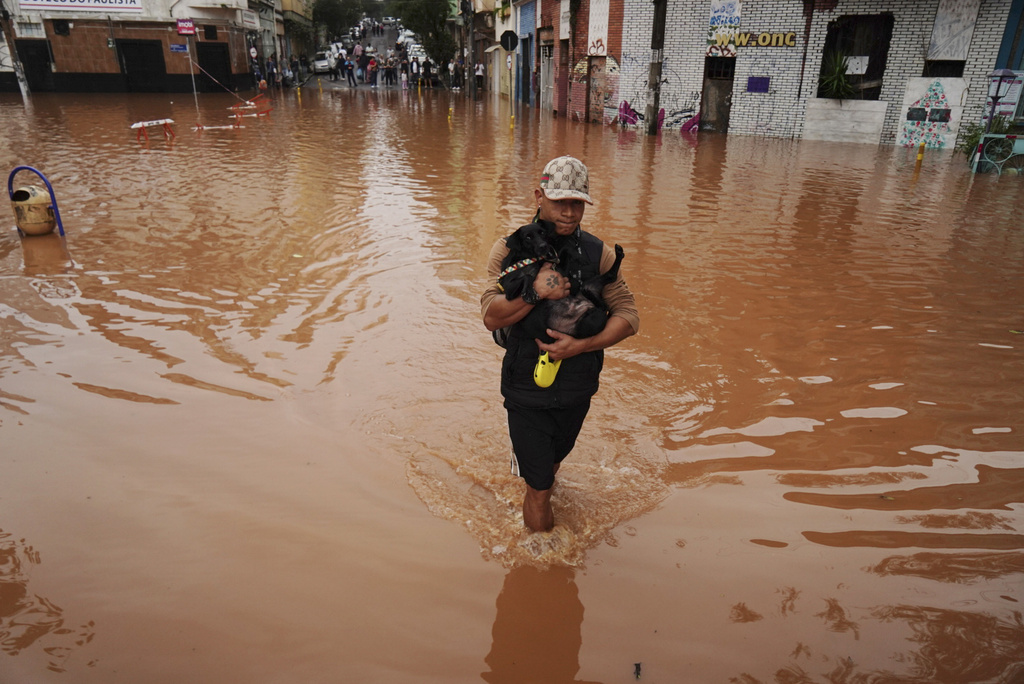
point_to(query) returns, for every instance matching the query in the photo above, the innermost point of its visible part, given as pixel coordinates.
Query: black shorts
(541, 438)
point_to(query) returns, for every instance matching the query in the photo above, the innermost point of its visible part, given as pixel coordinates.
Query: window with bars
(30, 30)
(720, 68)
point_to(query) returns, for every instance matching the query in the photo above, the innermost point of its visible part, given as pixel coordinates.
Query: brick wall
(780, 112)
(577, 101)
(682, 68)
(85, 49)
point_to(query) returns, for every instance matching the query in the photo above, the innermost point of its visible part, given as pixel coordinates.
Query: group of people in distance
(383, 70)
(365, 65)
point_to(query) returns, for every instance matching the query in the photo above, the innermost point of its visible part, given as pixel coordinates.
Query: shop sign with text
(756, 39)
(82, 5)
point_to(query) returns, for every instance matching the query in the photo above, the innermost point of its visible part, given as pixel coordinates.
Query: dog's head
(533, 240)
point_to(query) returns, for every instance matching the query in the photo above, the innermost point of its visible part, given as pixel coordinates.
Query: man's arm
(499, 312)
(549, 284)
(564, 346)
(623, 322)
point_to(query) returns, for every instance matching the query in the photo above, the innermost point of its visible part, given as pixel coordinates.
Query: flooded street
(251, 431)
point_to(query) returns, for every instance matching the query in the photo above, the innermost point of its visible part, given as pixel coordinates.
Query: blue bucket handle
(53, 198)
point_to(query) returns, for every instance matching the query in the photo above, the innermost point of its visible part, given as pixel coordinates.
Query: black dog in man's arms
(581, 314)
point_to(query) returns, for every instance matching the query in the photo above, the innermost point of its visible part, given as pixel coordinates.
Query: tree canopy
(429, 20)
(337, 16)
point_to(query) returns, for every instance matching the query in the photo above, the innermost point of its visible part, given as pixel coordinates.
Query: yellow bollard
(512, 122)
(298, 91)
(450, 109)
(320, 85)
(920, 152)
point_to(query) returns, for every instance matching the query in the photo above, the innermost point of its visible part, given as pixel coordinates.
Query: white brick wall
(781, 111)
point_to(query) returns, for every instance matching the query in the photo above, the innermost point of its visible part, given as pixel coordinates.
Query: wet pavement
(250, 427)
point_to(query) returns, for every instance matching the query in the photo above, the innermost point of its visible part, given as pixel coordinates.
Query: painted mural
(601, 78)
(931, 112)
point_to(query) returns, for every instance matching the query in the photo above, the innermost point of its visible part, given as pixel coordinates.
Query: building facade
(143, 45)
(916, 68)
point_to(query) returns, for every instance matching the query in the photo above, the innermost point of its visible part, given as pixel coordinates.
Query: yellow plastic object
(33, 210)
(545, 371)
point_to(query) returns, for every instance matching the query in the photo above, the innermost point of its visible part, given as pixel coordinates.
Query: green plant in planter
(970, 134)
(834, 83)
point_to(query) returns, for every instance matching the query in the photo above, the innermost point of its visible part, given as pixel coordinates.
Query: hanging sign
(186, 27)
(82, 5)
(250, 20)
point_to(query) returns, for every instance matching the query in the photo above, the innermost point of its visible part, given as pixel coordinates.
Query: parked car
(389, 21)
(323, 63)
(407, 37)
(416, 50)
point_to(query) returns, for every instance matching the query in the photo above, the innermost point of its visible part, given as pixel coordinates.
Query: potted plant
(834, 83)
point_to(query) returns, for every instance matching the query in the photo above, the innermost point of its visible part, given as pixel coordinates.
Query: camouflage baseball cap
(566, 178)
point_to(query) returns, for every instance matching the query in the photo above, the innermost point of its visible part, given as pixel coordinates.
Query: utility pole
(19, 71)
(654, 75)
(469, 66)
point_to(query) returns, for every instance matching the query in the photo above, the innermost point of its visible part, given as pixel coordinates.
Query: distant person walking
(272, 70)
(428, 76)
(350, 72)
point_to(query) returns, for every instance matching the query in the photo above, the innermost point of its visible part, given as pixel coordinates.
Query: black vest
(578, 377)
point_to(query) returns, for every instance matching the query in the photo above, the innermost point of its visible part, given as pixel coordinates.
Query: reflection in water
(537, 629)
(946, 646)
(997, 488)
(29, 621)
(45, 255)
(949, 567)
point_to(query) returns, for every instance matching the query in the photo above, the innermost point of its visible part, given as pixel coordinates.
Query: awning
(493, 48)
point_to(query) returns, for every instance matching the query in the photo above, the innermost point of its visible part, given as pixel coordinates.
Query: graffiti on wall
(722, 27)
(678, 108)
(598, 27)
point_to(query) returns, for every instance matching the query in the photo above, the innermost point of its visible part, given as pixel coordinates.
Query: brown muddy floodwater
(250, 428)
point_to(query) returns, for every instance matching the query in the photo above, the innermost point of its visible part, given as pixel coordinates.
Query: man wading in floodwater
(543, 422)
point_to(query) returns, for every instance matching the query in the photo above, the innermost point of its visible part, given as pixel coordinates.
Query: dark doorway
(562, 91)
(35, 59)
(215, 64)
(526, 74)
(142, 62)
(716, 98)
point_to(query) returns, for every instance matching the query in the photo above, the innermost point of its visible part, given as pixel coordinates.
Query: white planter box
(858, 121)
